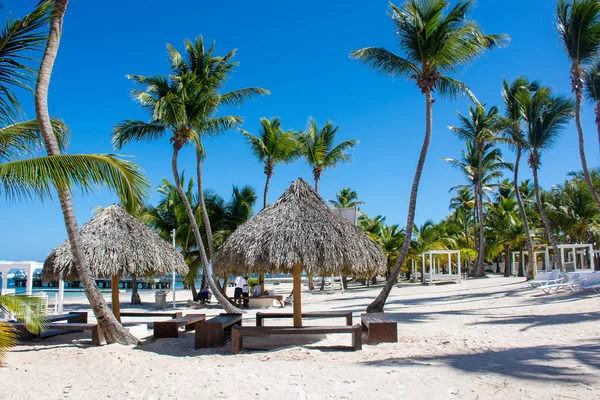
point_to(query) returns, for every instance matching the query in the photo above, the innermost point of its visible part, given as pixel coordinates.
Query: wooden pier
(125, 283)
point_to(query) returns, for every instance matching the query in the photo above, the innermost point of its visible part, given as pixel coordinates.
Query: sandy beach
(482, 339)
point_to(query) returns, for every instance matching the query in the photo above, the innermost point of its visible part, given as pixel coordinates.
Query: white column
(591, 256)
(458, 264)
(574, 258)
(430, 268)
(4, 280)
(61, 295)
(30, 270)
(562, 256)
(423, 268)
(547, 256)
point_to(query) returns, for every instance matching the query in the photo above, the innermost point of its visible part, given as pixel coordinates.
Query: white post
(458, 264)
(574, 258)
(173, 280)
(591, 257)
(61, 295)
(30, 270)
(4, 280)
(562, 256)
(547, 255)
(423, 268)
(430, 268)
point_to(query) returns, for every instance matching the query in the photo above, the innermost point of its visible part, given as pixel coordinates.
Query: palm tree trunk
(598, 120)
(223, 301)
(507, 261)
(479, 267)
(546, 221)
(466, 226)
(530, 255)
(135, 296)
(111, 328)
(269, 173)
(378, 304)
(584, 166)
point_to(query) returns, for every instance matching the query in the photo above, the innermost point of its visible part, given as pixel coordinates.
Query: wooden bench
(72, 317)
(97, 336)
(255, 299)
(238, 332)
(170, 328)
(211, 333)
(260, 316)
(150, 314)
(380, 328)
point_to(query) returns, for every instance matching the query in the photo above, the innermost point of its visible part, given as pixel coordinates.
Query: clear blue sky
(299, 51)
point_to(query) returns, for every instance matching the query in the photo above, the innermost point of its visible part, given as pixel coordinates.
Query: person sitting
(240, 281)
(257, 290)
(246, 293)
(204, 296)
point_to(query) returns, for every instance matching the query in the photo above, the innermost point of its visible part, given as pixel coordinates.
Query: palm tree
(479, 128)
(427, 237)
(91, 168)
(592, 91)
(513, 117)
(318, 149)
(209, 74)
(346, 198)
(175, 105)
(465, 201)
(29, 310)
(435, 44)
(272, 146)
(545, 115)
(578, 25)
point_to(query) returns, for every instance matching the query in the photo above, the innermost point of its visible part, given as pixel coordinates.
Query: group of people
(242, 291)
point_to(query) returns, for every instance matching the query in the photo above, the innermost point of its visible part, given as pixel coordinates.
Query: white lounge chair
(595, 286)
(573, 282)
(555, 277)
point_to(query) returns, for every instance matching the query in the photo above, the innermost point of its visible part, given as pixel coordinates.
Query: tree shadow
(535, 321)
(539, 363)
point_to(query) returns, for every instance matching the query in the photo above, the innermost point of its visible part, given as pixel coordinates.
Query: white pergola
(577, 249)
(29, 267)
(545, 253)
(435, 265)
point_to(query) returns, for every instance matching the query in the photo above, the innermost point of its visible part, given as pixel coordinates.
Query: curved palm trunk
(206, 220)
(546, 221)
(227, 306)
(531, 273)
(378, 304)
(111, 328)
(598, 121)
(586, 172)
(269, 173)
(466, 226)
(135, 296)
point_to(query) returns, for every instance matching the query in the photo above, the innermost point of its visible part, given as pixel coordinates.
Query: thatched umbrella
(115, 244)
(297, 232)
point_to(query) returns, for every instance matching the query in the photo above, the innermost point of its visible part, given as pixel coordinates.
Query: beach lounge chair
(555, 277)
(573, 282)
(595, 286)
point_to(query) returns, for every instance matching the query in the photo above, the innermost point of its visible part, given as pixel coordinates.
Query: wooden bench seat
(238, 332)
(276, 297)
(72, 317)
(170, 328)
(260, 316)
(150, 314)
(97, 336)
(212, 332)
(380, 328)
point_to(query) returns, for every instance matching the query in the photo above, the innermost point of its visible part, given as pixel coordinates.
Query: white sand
(483, 339)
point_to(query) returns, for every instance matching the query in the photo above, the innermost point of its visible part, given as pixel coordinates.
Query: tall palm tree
(480, 128)
(174, 105)
(346, 198)
(318, 148)
(465, 201)
(434, 44)
(209, 74)
(272, 146)
(578, 25)
(545, 115)
(513, 116)
(87, 165)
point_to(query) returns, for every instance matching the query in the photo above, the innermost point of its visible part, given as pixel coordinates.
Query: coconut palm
(174, 105)
(346, 198)
(464, 201)
(513, 116)
(434, 44)
(545, 115)
(272, 146)
(578, 24)
(592, 91)
(318, 148)
(480, 129)
(427, 237)
(29, 310)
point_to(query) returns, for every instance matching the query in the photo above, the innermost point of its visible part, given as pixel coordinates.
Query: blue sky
(299, 51)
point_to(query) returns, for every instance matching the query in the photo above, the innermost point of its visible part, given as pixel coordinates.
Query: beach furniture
(212, 332)
(238, 332)
(263, 301)
(595, 286)
(72, 317)
(97, 336)
(573, 282)
(555, 277)
(347, 315)
(170, 328)
(150, 314)
(380, 328)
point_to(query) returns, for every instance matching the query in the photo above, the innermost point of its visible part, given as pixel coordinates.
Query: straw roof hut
(115, 244)
(297, 232)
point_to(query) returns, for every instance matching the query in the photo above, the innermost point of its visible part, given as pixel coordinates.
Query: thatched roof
(116, 243)
(299, 228)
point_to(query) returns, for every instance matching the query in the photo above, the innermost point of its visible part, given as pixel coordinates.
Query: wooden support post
(116, 305)
(262, 283)
(297, 271)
